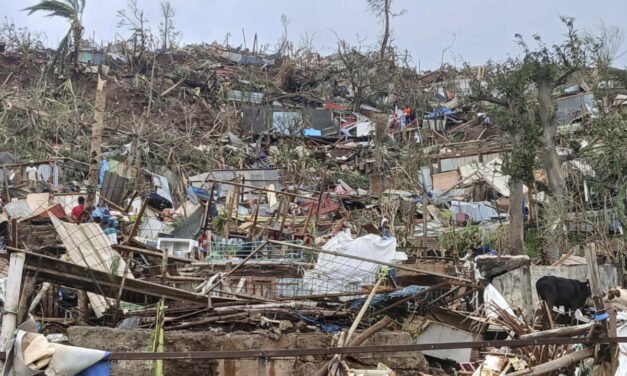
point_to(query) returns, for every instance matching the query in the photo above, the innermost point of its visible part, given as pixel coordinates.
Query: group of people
(403, 118)
(80, 214)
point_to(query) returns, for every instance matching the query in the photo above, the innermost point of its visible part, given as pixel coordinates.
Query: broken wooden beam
(79, 277)
(568, 331)
(556, 364)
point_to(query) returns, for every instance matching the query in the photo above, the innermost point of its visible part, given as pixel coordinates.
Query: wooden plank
(76, 276)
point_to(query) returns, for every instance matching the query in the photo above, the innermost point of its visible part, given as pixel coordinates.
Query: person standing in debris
(417, 138)
(486, 120)
(111, 231)
(385, 228)
(344, 134)
(407, 115)
(202, 244)
(32, 174)
(78, 212)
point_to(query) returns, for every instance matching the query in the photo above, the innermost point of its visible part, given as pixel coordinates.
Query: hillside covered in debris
(210, 209)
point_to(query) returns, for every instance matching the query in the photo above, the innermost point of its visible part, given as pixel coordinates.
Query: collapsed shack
(262, 270)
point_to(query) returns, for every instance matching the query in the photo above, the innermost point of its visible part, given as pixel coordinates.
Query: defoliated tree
(549, 68)
(382, 9)
(169, 35)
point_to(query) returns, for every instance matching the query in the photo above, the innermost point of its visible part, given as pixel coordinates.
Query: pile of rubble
(330, 228)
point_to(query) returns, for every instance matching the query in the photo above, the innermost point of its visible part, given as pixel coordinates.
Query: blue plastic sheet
(385, 298)
(439, 112)
(102, 368)
(324, 327)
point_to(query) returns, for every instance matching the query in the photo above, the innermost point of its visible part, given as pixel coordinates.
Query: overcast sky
(482, 29)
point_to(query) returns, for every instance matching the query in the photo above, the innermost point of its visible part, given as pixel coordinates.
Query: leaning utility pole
(95, 154)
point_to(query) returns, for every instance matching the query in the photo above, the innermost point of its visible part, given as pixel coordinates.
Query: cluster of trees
(523, 91)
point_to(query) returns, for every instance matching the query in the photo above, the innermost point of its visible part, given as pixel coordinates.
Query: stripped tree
(549, 68)
(382, 9)
(508, 88)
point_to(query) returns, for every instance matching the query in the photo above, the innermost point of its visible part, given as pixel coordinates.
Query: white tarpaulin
(31, 354)
(337, 274)
(491, 298)
(622, 357)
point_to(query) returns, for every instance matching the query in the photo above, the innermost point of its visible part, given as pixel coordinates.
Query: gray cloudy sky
(484, 29)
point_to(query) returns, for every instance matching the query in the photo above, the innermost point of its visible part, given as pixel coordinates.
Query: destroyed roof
(490, 173)
(191, 226)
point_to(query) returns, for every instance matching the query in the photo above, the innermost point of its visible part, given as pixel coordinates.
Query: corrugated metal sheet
(191, 226)
(18, 209)
(282, 121)
(45, 171)
(448, 164)
(113, 188)
(88, 246)
(256, 177)
(151, 227)
(242, 96)
(485, 158)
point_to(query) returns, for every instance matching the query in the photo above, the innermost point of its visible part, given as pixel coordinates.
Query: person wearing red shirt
(202, 244)
(79, 210)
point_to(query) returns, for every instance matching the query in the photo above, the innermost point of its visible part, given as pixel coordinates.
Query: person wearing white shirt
(32, 175)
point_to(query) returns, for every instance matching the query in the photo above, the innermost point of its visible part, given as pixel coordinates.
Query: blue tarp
(102, 368)
(439, 112)
(104, 166)
(383, 299)
(324, 327)
(312, 132)
(199, 192)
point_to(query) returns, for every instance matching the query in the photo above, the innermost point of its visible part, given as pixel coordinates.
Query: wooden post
(138, 221)
(83, 307)
(96, 142)
(593, 277)
(346, 340)
(128, 261)
(13, 288)
(614, 349)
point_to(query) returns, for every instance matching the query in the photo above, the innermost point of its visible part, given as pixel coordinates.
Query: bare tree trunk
(516, 233)
(77, 30)
(550, 159)
(386, 27)
(96, 142)
(555, 236)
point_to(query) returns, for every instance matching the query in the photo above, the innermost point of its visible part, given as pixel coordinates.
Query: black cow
(557, 291)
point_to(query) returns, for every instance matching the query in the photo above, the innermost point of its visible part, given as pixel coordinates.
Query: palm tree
(72, 10)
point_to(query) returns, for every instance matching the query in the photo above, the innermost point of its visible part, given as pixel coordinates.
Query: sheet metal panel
(113, 188)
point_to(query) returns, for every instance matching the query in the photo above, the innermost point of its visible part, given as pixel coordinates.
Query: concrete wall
(518, 286)
(138, 340)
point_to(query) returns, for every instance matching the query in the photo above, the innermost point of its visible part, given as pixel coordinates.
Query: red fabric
(202, 241)
(77, 213)
(334, 106)
(407, 111)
